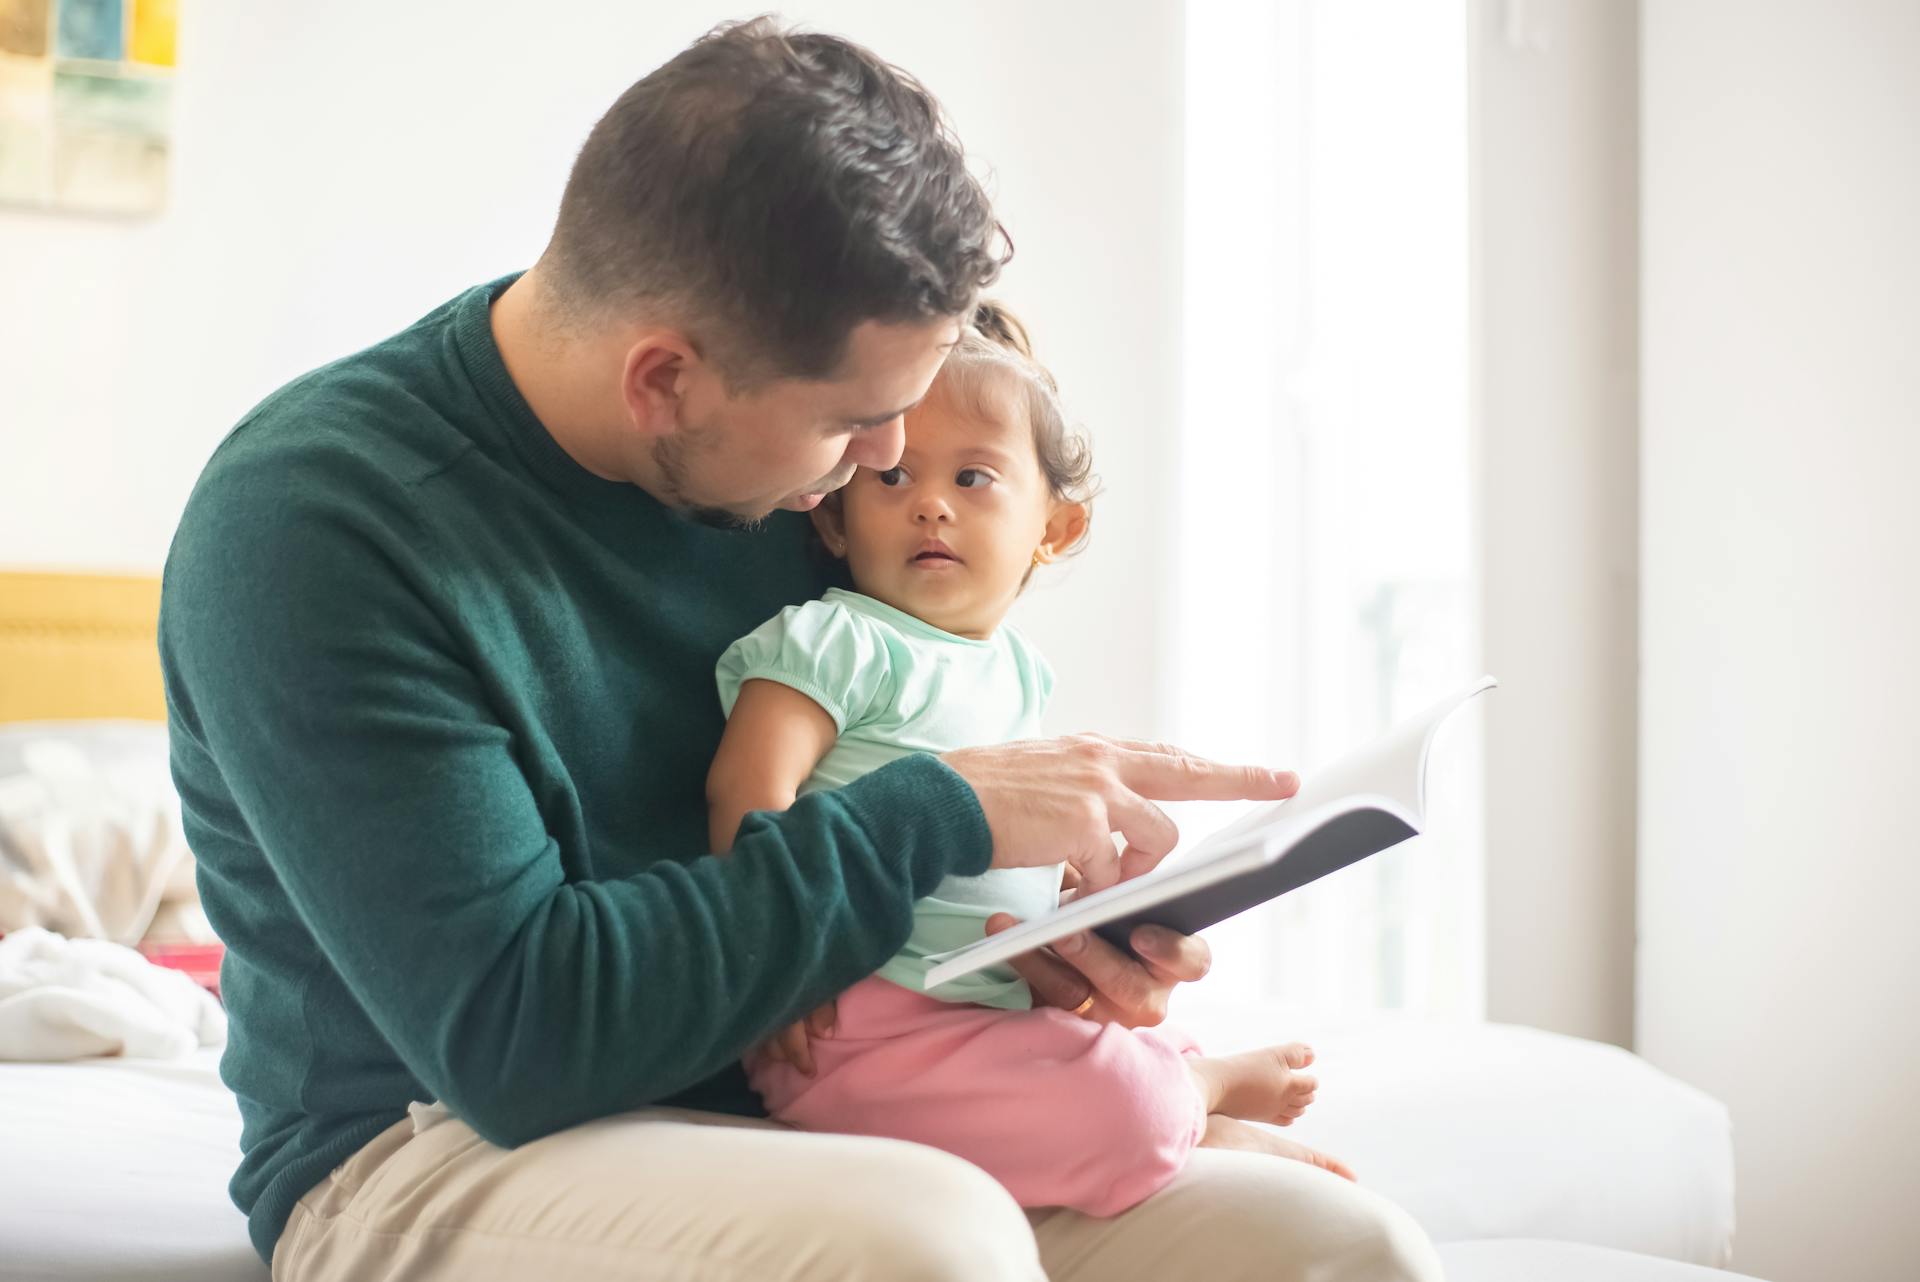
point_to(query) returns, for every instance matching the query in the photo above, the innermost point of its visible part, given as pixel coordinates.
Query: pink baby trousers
(1061, 1110)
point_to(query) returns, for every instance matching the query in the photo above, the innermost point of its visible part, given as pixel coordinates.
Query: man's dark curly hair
(770, 190)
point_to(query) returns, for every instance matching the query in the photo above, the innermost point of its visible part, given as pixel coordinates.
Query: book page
(1387, 774)
(1390, 770)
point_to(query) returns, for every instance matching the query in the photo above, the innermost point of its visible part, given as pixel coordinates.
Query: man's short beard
(670, 456)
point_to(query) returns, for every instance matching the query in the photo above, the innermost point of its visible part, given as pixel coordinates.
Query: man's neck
(569, 383)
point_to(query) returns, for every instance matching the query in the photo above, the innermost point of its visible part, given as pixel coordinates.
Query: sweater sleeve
(306, 661)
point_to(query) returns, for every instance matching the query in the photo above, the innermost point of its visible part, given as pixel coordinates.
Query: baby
(1062, 1110)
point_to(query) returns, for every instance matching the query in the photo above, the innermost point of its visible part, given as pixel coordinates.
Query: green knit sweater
(442, 706)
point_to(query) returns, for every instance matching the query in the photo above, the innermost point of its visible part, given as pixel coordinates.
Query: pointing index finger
(1168, 774)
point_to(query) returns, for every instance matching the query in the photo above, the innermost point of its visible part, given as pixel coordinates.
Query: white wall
(1779, 863)
(342, 168)
(1553, 216)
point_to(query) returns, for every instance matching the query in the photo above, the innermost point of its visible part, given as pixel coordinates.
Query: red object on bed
(199, 962)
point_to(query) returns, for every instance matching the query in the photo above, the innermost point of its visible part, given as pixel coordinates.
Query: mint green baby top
(896, 685)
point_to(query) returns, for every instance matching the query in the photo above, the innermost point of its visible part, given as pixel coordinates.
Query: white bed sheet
(117, 1169)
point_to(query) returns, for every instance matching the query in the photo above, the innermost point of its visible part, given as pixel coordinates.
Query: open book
(1363, 803)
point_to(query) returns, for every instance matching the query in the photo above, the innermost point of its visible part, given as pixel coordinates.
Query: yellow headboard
(79, 646)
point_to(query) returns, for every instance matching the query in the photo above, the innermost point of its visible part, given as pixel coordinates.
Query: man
(439, 631)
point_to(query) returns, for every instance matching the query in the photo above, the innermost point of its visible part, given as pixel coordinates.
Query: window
(1323, 553)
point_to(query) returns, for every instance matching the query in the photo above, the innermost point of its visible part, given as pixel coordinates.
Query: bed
(1525, 1155)
(109, 1168)
(118, 1169)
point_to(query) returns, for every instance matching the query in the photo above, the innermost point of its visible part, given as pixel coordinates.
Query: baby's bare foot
(1227, 1132)
(1260, 1086)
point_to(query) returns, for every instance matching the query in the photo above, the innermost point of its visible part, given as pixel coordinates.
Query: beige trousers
(695, 1197)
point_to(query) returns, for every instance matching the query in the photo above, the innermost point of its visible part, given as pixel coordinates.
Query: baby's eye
(893, 476)
(980, 481)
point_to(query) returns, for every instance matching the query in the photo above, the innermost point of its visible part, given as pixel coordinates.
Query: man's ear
(1066, 527)
(833, 530)
(653, 380)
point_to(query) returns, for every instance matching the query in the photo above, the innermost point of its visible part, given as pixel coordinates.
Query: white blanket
(73, 998)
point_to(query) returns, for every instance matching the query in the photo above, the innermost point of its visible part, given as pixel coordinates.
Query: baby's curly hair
(992, 371)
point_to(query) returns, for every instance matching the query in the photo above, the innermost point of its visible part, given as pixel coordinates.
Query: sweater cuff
(920, 811)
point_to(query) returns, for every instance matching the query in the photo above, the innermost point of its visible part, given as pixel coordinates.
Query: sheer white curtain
(1323, 554)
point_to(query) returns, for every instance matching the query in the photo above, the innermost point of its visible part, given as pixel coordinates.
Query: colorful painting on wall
(86, 94)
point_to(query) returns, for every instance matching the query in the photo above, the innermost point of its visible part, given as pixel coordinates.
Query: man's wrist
(922, 808)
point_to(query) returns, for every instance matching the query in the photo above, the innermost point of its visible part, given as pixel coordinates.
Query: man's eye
(980, 479)
(893, 476)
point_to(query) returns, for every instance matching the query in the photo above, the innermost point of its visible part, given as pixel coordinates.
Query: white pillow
(90, 837)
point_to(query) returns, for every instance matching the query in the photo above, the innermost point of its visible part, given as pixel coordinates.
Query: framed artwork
(86, 95)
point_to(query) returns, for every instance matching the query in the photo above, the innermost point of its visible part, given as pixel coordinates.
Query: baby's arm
(774, 739)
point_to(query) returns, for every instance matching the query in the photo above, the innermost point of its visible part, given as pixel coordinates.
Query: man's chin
(744, 516)
(748, 516)
(725, 518)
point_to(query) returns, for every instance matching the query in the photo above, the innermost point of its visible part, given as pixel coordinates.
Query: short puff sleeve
(827, 652)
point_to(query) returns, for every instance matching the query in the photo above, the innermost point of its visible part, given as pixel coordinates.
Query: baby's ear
(832, 530)
(1066, 527)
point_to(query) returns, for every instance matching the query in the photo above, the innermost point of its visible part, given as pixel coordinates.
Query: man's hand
(1131, 991)
(1052, 799)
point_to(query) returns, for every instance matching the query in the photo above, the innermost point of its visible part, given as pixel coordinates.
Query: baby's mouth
(934, 552)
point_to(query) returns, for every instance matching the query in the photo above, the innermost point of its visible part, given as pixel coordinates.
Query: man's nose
(880, 447)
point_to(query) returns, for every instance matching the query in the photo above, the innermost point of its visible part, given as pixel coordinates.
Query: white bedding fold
(64, 999)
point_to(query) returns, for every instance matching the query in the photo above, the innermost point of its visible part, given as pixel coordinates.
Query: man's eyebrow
(882, 419)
